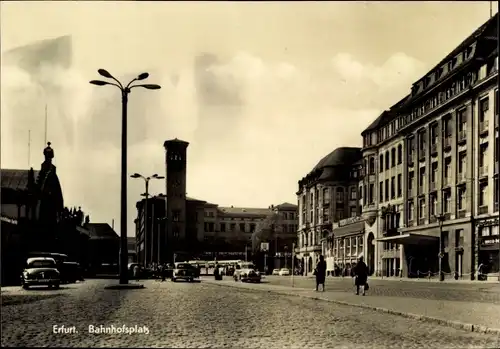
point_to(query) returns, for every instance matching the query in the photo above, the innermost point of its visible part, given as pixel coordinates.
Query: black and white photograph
(226, 174)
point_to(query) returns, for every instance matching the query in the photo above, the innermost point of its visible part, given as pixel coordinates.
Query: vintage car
(40, 271)
(247, 275)
(70, 272)
(184, 271)
(284, 272)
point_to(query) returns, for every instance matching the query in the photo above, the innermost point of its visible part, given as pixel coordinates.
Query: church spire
(48, 152)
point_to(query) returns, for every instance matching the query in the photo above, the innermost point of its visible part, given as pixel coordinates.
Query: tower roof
(174, 142)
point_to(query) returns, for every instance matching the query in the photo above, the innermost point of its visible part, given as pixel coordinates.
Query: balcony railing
(447, 143)
(483, 126)
(462, 135)
(483, 170)
(461, 213)
(421, 221)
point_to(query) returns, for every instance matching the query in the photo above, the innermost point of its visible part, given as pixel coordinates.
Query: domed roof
(340, 156)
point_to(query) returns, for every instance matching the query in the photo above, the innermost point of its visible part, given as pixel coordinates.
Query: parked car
(40, 271)
(276, 271)
(131, 268)
(184, 271)
(284, 272)
(247, 275)
(70, 272)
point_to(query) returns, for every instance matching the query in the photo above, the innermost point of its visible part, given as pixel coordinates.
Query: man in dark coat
(361, 275)
(320, 273)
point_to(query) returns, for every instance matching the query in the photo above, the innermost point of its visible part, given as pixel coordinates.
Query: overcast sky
(262, 91)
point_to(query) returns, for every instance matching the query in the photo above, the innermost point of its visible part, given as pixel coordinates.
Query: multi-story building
(326, 195)
(431, 164)
(229, 230)
(182, 228)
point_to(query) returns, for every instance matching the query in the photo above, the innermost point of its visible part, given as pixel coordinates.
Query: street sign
(264, 246)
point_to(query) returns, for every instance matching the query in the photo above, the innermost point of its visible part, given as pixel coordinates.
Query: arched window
(381, 163)
(400, 154)
(387, 160)
(393, 157)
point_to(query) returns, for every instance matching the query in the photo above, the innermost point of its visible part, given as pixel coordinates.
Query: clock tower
(175, 179)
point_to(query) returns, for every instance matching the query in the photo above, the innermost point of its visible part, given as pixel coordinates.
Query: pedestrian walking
(360, 275)
(320, 273)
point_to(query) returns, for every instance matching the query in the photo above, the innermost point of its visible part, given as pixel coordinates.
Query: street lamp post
(440, 218)
(146, 217)
(286, 257)
(123, 201)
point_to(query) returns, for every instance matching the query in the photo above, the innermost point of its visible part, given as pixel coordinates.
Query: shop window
(484, 231)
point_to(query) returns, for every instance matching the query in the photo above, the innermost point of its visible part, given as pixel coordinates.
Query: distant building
(132, 252)
(33, 217)
(103, 248)
(184, 228)
(327, 195)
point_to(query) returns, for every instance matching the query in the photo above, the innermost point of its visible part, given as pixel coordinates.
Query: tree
(267, 230)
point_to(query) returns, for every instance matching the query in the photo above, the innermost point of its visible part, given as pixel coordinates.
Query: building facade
(328, 194)
(431, 163)
(183, 228)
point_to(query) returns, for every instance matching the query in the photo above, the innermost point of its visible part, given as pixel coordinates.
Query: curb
(454, 324)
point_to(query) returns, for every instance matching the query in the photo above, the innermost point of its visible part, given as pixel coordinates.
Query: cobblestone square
(201, 315)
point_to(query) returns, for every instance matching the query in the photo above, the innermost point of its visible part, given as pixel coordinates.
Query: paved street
(202, 315)
(461, 292)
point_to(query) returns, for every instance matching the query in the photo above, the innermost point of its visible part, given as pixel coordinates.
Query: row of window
(339, 215)
(325, 198)
(245, 228)
(450, 91)
(395, 191)
(390, 158)
(285, 215)
(461, 200)
(349, 246)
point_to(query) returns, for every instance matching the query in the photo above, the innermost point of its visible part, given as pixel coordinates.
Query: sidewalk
(467, 315)
(491, 280)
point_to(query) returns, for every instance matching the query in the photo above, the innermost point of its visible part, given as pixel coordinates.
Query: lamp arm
(128, 85)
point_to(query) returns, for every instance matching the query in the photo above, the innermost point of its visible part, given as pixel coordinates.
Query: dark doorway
(370, 258)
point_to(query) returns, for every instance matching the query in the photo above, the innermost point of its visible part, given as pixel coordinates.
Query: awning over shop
(409, 239)
(351, 229)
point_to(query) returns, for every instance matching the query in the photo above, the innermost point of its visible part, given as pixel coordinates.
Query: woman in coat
(320, 273)
(361, 275)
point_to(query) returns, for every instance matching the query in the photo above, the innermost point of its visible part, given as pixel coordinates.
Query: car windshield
(42, 264)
